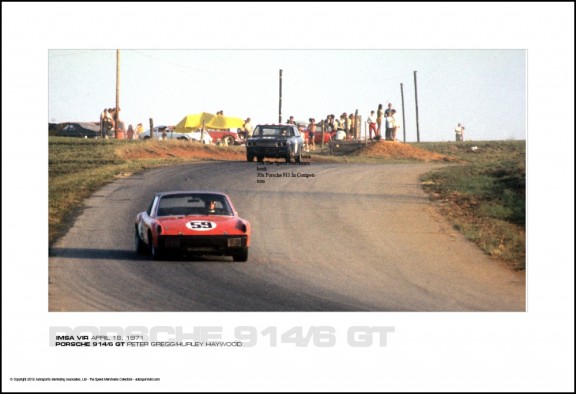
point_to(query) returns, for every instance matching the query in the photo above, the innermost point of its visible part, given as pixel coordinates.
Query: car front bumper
(209, 244)
(268, 151)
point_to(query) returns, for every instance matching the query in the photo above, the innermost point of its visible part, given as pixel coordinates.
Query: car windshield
(193, 204)
(272, 131)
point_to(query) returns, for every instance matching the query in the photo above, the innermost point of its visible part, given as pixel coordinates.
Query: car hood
(203, 225)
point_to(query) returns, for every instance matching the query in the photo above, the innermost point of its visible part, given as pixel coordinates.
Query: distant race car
(201, 223)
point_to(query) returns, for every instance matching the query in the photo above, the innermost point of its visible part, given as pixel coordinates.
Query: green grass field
(78, 167)
(485, 196)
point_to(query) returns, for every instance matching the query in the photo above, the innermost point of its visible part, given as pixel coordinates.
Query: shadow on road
(130, 255)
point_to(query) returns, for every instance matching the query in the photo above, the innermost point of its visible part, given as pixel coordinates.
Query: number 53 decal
(200, 225)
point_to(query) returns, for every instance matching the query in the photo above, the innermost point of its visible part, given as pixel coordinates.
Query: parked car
(194, 222)
(328, 136)
(225, 136)
(82, 130)
(173, 135)
(275, 140)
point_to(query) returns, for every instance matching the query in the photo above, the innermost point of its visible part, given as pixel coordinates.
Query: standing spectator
(291, 120)
(107, 123)
(344, 123)
(115, 121)
(330, 126)
(130, 133)
(336, 123)
(305, 133)
(312, 133)
(113, 113)
(459, 132)
(327, 124)
(379, 120)
(103, 122)
(246, 131)
(352, 125)
(120, 129)
(372, 124)
(395, 124)
(248, 127)
(388, 110)
(138, 131)
(391, 126)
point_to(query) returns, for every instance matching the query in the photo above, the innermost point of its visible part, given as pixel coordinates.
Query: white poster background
(532, 351)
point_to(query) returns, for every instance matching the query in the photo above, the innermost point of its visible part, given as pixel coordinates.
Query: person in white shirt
(372, 123)
(391, 126)
(340, 135)
(459, 132)
(247, 129)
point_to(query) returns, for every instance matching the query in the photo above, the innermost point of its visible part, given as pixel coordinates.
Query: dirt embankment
(196, 151)
(180, 149)
(399, 150)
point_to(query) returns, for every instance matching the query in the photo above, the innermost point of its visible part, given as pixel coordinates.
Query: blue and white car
(282, 141)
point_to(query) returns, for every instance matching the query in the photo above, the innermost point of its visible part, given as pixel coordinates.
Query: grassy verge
(78, 167)
(485, 197)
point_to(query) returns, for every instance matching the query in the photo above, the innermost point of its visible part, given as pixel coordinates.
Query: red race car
(200, 223)
(225, 136)
(328, 136)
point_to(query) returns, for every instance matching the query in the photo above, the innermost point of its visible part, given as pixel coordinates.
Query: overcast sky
(485, 90)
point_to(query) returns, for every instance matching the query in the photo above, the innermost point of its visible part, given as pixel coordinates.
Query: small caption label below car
(200, 225)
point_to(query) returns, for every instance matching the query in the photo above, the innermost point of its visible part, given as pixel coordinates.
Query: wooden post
(280, 100)
(403, 118)
(416, 95)
(117, 113)
(356, 124)
(152, 128)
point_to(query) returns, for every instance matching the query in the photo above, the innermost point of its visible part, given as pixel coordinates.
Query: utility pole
(280, 101)
(357, 126)
(416, 95)
(117, 113)
(403, 117)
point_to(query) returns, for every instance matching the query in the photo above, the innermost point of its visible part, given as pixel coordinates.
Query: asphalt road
(355, 237)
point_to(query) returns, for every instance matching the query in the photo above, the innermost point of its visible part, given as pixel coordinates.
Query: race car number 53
(200, 225)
